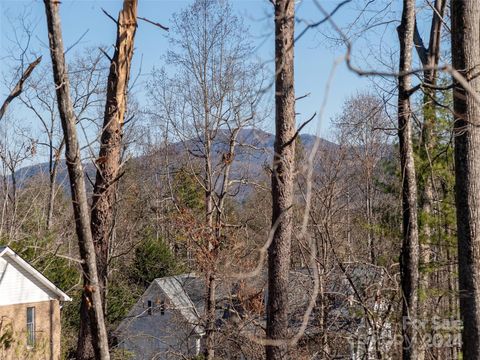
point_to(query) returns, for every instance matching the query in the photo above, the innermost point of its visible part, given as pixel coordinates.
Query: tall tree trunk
(53, 170)
(466, 60)
(452, 292)
(210, 314)
(279, 251)
(13, 223)
(108, 161)
(429, 58)
(210, 301)
(409, 255)
(369, 213)
(51, 197)
(217, 230)
(91, 294)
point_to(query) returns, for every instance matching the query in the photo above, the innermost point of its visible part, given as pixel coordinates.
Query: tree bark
(217, 230)
(108, 161)
(91, 294)
(466, 60)
(369, 213)
(279, 251)
(212, 244)
(410, 245)
(210, 314)
(54, 162)
(429, 58)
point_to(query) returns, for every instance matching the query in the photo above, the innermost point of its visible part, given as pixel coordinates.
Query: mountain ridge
(254, 149)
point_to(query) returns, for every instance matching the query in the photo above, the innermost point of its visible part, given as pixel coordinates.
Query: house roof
(6, 252)
(186, 293)
(174, 287)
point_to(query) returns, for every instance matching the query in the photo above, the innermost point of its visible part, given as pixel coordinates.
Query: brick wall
(13, 328)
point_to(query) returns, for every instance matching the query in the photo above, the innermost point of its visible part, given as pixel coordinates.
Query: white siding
(17, 286)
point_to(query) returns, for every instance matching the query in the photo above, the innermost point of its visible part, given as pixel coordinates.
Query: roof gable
(22, 283)
(173, 287)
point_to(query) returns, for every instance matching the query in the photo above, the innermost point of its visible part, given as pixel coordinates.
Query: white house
(29, 310)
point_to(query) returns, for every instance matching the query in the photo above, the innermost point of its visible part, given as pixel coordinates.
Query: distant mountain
(253, 153)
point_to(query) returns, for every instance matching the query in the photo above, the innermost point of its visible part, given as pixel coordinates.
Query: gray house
(167, 323)
(164, 323)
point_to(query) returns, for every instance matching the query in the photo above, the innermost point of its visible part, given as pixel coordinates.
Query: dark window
(162, 307)
(31, 326)
(150, 307)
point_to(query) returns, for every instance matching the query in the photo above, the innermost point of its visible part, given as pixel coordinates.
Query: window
(162, 307)
(31, 326)
(150, 307)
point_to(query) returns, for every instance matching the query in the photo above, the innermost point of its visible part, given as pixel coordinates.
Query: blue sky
(315, 55)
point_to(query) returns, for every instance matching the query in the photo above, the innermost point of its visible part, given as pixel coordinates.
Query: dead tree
(279, 251)
(91, 294)
(466, 60)
(108, 161)
(17, 90)
(410, 244)
(109, 158)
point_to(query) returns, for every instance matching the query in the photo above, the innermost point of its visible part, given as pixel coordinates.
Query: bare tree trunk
(429, 58)
(5, 200)
(452, 292)
(54, 162)
(91, 294)
(369, 213)
(51, 198)
(210, 313)
(217, 229)
(13, 225)
(466, 59)
(282, 180)
(52, 174)
(425, 251)
(409, 256)
(108, 161)
(210, 296)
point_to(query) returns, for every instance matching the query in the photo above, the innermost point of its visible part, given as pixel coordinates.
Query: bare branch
(76, 42)
(419, 46)
(154, 23)
(17, 90)
(105, 53)
(300, 129)
(110, 16)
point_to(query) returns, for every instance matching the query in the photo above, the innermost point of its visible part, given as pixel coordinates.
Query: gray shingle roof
(174, 287)
(188, 291)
